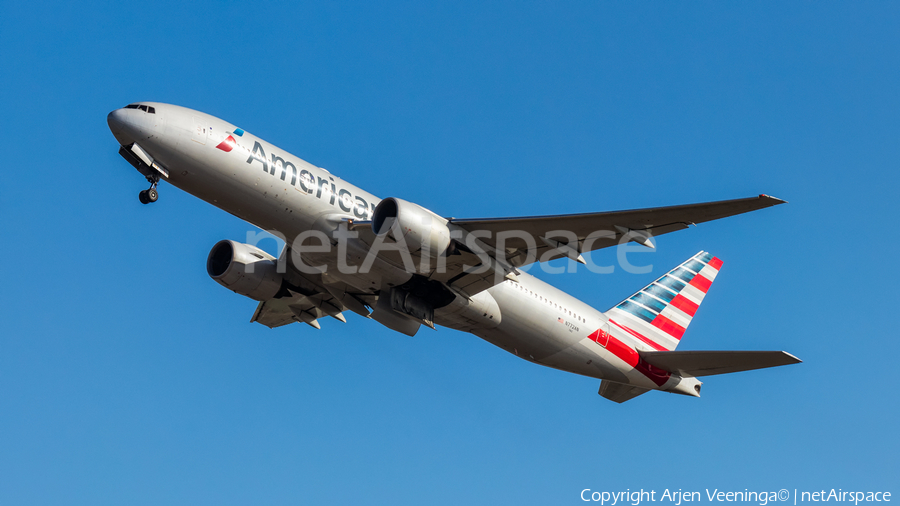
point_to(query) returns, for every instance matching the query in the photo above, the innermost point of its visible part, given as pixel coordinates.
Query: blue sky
(127, 376)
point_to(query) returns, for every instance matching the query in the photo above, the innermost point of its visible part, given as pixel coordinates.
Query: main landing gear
(150, 195)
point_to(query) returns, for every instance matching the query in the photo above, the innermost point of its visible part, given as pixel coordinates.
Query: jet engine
(244, 269)
(425, 233)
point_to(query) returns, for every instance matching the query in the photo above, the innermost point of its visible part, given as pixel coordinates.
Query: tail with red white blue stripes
(658, 315)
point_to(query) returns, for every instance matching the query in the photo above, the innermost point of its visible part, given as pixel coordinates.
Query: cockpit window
(145, 108)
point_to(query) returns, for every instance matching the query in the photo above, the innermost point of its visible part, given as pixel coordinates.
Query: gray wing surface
(709, 363)
(273, 313)
(307, 298)
(618, 392)
(591, 231)
(655, 221)
(588, 232)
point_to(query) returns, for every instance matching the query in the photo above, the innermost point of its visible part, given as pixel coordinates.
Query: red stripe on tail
(623, 351)
(684, 304)
(638, 335)
(631, 357)
(668, 326)
(701, 283)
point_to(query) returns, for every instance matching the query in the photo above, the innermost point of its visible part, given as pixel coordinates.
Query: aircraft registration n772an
(404, 266)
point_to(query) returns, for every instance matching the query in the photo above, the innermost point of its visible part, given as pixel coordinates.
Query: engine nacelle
(244, 269)
(425, 233)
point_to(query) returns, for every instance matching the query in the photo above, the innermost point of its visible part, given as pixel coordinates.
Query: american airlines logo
(228, 144)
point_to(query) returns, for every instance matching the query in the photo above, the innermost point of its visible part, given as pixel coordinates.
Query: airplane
(404, 266)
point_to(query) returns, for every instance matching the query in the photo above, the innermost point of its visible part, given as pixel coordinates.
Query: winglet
(774, 200)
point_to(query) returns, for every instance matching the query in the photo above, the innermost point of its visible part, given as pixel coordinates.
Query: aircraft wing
(273, 313)
(309, 297)
(609, 227)
(515, 242)
(297, 307)
(587, 232)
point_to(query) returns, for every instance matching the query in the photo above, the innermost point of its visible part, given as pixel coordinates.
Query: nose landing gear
(150, 195)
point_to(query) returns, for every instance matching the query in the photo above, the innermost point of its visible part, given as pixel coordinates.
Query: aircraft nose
(118, 125)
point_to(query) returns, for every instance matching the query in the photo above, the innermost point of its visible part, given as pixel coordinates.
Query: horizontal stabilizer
(618, 392)
(708, 363)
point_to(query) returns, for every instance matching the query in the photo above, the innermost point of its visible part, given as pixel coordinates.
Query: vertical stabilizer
(659, 314)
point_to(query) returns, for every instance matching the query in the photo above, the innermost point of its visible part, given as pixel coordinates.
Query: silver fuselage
(536, 321)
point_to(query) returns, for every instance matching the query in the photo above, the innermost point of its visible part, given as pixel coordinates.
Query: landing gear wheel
(150, 194)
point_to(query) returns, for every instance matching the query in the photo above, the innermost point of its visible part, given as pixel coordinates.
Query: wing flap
(273, 313)
(709, 363)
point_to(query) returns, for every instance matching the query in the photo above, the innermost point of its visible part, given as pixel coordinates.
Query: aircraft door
(601, 335)
(200, 132)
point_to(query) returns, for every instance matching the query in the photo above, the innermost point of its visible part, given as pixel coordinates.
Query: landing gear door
(200, 132)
